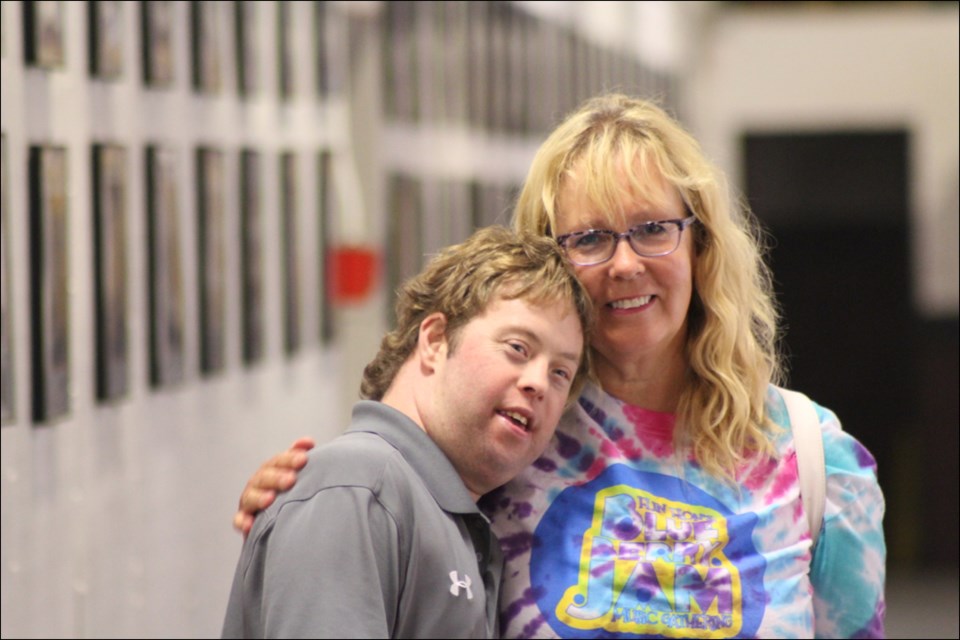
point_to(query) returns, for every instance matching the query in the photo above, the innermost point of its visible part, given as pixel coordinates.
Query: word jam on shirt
(649, 565)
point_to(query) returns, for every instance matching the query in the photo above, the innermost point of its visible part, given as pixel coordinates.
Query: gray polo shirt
(378, 538)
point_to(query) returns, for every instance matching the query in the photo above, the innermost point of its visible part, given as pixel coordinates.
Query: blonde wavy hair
(462, 280)
(613, 143)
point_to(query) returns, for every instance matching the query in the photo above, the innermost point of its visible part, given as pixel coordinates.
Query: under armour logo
(460, 584)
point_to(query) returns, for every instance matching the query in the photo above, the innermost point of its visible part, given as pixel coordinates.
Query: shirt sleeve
(328, 567)
(849, 563)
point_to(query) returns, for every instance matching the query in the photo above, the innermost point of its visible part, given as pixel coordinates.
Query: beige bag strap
(811, 467)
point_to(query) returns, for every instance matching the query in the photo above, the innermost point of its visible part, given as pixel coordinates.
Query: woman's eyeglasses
(650, 240)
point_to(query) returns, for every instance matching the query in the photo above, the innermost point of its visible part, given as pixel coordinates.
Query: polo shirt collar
(423, 454)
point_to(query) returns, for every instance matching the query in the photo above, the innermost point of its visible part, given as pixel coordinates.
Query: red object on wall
(351, 273)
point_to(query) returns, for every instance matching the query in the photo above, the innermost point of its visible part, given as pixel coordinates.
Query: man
(381, 537)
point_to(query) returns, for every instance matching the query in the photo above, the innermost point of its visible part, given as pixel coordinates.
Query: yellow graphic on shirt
(649, 565)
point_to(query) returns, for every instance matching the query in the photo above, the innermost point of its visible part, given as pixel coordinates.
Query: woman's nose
(625, 263)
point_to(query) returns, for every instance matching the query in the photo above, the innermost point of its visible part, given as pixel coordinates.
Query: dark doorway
(836, 205)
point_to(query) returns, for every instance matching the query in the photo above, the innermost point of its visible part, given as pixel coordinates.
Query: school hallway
(923, 604)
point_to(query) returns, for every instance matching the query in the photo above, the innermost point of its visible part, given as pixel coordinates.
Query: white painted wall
(824, 70)
(116, 520)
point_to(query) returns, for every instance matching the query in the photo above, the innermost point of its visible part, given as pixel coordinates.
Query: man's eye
(518, 347)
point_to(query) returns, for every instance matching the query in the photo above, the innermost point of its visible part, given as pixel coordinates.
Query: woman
(668, 503)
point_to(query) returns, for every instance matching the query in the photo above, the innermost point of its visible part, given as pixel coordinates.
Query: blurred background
(207, 206)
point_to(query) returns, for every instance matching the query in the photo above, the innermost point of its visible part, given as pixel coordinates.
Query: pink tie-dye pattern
(595, 469)
(785, 471)
(798, 512)
(609, 449)
(653, 429)
(622, 448)
(757, 473)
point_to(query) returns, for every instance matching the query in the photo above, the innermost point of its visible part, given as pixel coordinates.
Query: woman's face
(641, 303)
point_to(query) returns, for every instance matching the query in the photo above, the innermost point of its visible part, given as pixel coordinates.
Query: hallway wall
(116, 516)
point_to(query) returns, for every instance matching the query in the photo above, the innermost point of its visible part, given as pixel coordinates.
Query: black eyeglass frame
(682, 223)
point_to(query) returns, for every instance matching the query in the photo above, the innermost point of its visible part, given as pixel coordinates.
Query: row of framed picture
(49, 251)
(427, 213)
(494, 66)
(486, 65)
(423, 215)
(212, 24)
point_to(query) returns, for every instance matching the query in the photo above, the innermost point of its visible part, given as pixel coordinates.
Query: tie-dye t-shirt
(608, 534)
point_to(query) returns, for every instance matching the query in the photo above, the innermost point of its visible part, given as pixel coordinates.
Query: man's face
(498, 396)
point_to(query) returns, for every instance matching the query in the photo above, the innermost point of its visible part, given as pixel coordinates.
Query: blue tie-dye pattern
(847, 571)
(840, 577)
(608, 424)
(875, 629)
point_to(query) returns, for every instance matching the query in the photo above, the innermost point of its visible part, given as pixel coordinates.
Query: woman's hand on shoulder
(279, 473)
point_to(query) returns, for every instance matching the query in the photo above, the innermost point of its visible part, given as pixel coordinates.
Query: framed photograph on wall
(157, 27)
(564, 61)
(251, 256)
(246, 17)
(581, 61)
(8, 402)
(478, 62)
(110, 197)
(489, 204)
(291, 256)
(454, 205)
(543, 68)
(428, 59)
(431, 40)
(106, 24)
(538, 68)
(49, 283)
(285, 49)
(43, 34)
(331, 32)
(498, 70)
(212, 243)
(404, 249)
(205, 45)
(321, 12)
(165, 259)
(456, 73)
(518, 34)
(325, 213)
(400, 62)
(594, 68)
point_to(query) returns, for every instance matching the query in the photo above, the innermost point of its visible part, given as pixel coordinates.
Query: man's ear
(432, 341)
